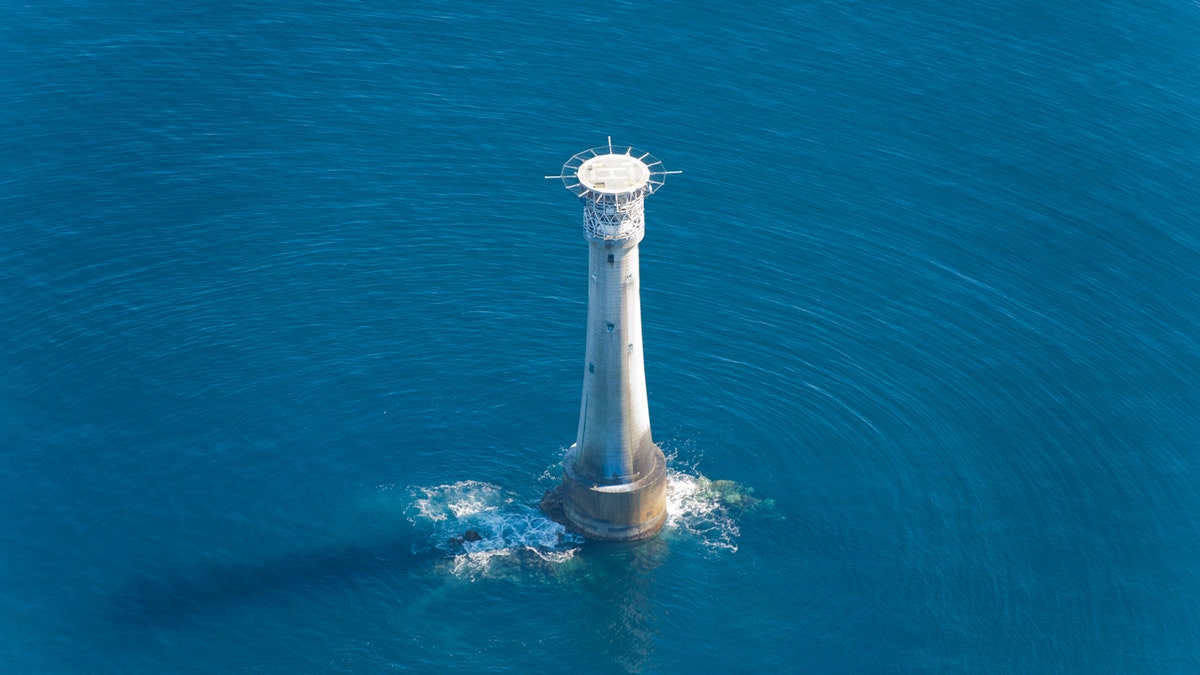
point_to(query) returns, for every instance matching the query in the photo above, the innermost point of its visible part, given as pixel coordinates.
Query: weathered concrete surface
(614, 476)
(617, 512)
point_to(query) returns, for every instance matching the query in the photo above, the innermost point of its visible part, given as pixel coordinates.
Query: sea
(288, 309)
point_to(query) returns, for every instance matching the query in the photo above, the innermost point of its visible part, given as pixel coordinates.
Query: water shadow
(172, 596)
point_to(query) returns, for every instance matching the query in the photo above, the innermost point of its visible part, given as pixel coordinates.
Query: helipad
(613, 173)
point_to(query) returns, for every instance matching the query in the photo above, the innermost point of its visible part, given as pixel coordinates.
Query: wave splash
(710, 510)
(476, 523)
(691, 508)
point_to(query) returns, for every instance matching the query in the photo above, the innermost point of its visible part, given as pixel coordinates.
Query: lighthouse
(614, 475)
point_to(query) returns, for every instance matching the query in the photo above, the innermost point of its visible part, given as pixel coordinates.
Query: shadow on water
(511, 542)
(618, 583)
(176, 595)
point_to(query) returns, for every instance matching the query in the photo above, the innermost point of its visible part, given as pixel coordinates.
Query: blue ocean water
(286, 305)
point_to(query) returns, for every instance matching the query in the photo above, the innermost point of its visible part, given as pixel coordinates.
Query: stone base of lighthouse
(624, 511)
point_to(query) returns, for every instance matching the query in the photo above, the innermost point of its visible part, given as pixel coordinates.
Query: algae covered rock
(734, 496)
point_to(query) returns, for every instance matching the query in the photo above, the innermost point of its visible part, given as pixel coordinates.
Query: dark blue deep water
(286, 304)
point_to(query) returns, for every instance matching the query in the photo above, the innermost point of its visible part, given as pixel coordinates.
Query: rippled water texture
(286, 308)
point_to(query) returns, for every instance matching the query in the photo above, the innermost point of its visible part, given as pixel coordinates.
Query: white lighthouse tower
(614, 476)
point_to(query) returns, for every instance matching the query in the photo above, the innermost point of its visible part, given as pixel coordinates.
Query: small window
(591, 367)
(611, 327)
(610, 258)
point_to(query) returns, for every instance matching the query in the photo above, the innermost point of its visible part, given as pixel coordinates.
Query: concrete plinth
(631, 509)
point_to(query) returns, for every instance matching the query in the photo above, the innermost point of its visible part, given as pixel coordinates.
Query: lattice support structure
(614, 220)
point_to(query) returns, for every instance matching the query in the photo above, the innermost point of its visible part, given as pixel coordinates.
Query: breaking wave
(477, 524)
(695, 509)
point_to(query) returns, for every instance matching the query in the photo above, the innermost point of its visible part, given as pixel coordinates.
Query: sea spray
(475, 524)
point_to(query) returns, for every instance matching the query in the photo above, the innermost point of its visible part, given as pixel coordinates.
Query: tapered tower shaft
(614, 415)
(614, 476)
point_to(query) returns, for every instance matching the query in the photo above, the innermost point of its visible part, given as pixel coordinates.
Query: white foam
(700, 512)
(553, 556)
(455, 500)
(504, 526)
(476, 563)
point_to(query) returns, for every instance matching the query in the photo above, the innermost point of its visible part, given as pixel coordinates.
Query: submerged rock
(736, 497)
(468, 536)
(552, 505)
(729, 493)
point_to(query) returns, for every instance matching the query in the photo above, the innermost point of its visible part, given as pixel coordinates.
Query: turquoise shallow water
(286, 305)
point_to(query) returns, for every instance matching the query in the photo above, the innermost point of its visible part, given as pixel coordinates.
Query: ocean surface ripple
(286, 307)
